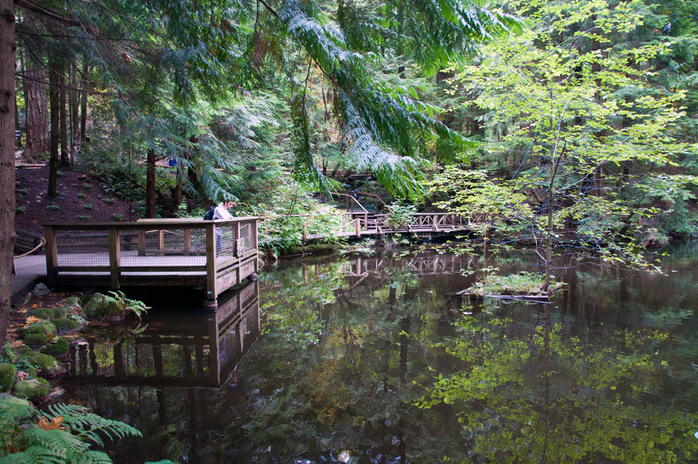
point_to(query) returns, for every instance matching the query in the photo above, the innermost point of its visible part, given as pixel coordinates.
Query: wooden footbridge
(368, 224)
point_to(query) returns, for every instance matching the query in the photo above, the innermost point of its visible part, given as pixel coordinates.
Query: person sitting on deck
(221, 212)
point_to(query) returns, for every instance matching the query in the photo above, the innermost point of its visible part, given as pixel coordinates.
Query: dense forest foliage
(551, 122)
(578, 109)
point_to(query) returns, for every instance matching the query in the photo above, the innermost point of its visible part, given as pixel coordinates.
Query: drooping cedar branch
(31, 6)
(269, 8)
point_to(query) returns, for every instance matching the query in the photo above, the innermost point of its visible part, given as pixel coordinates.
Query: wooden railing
(218, 254)
(353, 195)
(363, 224)
(420, 222)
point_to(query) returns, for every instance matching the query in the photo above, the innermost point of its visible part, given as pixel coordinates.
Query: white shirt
(221, 213)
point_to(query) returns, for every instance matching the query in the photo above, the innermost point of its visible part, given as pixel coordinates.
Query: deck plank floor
(28, 271)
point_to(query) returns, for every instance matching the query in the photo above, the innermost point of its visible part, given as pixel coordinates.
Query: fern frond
(42, 455)
(56, 440)
(22, 457)
(96, 457)
(90, 426)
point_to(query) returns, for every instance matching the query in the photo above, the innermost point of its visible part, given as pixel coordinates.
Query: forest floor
(80, 198)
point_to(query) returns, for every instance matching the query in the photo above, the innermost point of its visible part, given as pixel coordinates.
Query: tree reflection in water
(375, 360)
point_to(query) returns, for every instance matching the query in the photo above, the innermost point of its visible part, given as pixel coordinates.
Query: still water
(377, 360)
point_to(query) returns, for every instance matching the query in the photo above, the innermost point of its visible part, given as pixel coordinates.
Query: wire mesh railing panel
(82, 248)
(163, 247)
(226, 238)
(245, 241)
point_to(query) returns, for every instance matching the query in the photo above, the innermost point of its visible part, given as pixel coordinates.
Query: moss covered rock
(78, 318)
(58, 347)
(43, 313)
(7, 375)
(73, 303)
(38, 339)
(22, 350)
(46, 364)
(59, 313)
(67, 324)
(101, 307)
(30, 371)
(43, 327)
(32, 389)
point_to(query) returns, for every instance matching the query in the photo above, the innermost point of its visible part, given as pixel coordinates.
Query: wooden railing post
(119, 361)
(357, 226)
(114, 257)
(187, 240)
(236, 242)
(211, 293)
(305, 231)
(141, 242)
(255, 234)
(51, 254)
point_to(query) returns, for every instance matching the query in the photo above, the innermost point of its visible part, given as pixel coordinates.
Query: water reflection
(194, 349)
(376, 360)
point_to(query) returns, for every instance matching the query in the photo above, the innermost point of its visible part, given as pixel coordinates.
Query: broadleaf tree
(592, 137)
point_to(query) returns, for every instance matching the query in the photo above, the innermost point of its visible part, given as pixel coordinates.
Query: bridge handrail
(353, 199)
(375, 197)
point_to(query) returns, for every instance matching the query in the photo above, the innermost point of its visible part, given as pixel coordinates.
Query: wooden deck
(214, 255)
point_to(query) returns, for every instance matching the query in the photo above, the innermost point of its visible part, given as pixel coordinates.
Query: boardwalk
(367, 224)
(214, 255)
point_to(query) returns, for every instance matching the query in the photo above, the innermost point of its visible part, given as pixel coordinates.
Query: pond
(377, 360)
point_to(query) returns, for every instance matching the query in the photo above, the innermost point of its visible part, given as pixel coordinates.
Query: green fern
(136, 306)
(62, 435)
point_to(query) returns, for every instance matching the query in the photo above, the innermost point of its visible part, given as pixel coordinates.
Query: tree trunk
(83, 106)
(7, 159)
(18, 140)
(150, 194)
(73, 101)
(53, 94)
(551, 223)
(36, 109)
(178, 192)
(65, 155)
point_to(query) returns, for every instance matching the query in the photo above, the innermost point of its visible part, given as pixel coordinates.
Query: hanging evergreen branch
(376, 115)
